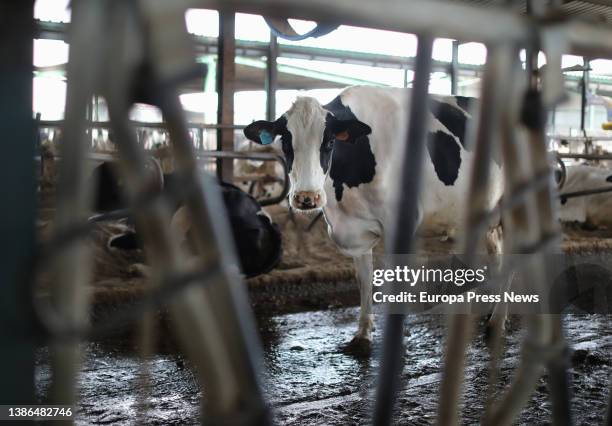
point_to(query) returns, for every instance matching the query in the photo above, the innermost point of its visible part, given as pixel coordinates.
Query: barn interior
(134, 289)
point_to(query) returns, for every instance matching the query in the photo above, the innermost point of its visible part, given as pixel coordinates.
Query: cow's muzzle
(306, 200)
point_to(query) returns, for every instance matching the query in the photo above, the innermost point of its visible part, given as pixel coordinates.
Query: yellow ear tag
(342, 136)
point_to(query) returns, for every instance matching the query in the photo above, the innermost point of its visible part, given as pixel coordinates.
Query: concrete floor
(309, 380)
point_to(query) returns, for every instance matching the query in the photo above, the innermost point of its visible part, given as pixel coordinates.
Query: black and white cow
(345, 157)
(256, 238)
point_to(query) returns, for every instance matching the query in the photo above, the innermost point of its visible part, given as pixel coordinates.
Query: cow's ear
(261, 132)
(264, 132)
(349, 130)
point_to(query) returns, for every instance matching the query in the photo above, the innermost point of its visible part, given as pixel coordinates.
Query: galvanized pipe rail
(437, 18)
(585, 156)
(580, 138)
(403, 233)
(201, 156)
(146, 124)
(213, 322)
(498, 72)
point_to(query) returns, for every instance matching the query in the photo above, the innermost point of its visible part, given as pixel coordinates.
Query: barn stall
(175, 330)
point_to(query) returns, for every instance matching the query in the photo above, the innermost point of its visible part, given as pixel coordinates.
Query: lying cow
(593, 210)
(256, 238)
(345, 158)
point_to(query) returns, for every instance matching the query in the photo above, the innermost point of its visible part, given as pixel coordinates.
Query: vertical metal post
(533, 221)
(226, 78)
(89, 114)
(497, 71)
(69, 294)
(583, 95)
(17, 170)
(454, 67)
(271, 78)
(402, 237)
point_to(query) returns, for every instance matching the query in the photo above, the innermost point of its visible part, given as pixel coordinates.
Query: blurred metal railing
(202, 156)
(136, 61)
(136, 123)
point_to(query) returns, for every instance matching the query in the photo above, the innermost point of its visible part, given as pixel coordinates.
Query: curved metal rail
(258, 156)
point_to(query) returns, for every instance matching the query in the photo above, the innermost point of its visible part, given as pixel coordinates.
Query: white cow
(345, 158)
(593, 210)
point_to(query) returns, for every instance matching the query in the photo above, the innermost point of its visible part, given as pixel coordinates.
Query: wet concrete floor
(309, 380)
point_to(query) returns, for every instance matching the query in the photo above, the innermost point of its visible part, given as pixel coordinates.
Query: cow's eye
(330, 143)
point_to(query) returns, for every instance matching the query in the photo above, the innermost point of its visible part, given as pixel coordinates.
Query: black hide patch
(286, 140)
(453, 118)
(445, 156)
(126, 241)
(287, 146)
(464, 102)
(109, 193)
(352, 161)
(255, 132)
(609, 179)
(456, 120)
(326, 149)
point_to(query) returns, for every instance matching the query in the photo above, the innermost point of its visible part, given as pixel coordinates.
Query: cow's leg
(362, 340)
(497, 320)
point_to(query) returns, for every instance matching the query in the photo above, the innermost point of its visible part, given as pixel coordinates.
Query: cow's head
(308, 133)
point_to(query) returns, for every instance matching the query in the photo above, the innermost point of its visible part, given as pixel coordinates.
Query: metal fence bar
(435, 17)
(214, 323)
(72, 267)
(231, 337)
(271, 78)
(541, 225)
(18, 217)
(403, 234)
(417, 16)
(585, 156)
(460, 328)
(107, 125)
(226, 82)
(203, 155)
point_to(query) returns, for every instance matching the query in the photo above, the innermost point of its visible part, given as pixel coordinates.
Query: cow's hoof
(358, 347)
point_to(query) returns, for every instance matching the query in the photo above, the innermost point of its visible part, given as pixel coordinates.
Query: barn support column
(454, 68)
(583, 97)
(226, 83)
(17, 174)
(271, 79)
